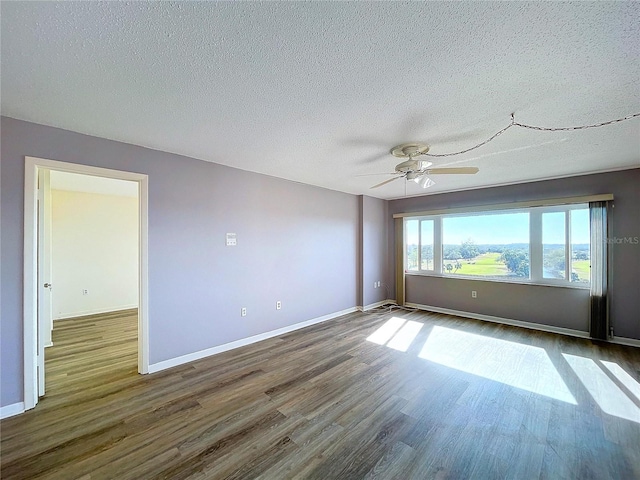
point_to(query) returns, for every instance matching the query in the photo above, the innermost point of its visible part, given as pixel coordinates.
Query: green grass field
(583, 269)
(487, 264)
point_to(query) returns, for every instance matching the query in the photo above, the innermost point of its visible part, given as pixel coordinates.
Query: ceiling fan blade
(385, 182)
(454, 170)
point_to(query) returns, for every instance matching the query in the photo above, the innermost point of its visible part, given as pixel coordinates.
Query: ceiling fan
(417, 170)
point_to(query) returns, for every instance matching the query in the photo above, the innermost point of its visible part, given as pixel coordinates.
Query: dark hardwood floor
(383, 394)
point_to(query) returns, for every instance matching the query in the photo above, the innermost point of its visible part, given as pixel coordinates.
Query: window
(566, 245)
(580, 241)
(419, 252)
(539, 245)
(554, 254)
(486, 245)
(426, 245)
(412, 244)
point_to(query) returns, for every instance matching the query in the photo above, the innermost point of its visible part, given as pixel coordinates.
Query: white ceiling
(89, 184)
(318, 92)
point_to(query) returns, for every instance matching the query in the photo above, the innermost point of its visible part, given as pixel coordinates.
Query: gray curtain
(599, 318)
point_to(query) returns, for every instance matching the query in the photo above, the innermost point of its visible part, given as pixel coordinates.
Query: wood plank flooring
(465, 399)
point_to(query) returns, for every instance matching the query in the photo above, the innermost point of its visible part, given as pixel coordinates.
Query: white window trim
(435, 268)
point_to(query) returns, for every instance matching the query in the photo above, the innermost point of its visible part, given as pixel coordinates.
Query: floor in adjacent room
(384, 394)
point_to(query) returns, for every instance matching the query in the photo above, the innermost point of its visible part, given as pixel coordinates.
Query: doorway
(35, 326)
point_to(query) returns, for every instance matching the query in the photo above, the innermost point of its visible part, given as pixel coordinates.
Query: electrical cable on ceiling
(531, 127)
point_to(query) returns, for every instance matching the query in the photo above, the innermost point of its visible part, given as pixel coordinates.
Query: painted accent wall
(94, 248)
(554, 306)
(295, 243)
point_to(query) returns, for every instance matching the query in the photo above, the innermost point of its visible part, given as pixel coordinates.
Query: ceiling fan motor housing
(409, 150)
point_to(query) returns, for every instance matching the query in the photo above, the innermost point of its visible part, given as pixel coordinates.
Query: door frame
(30, 286)
(45, 313)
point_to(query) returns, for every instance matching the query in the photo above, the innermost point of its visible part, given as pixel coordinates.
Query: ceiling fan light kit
(425, 182)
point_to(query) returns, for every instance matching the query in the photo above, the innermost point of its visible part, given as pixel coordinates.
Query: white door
(45, 319)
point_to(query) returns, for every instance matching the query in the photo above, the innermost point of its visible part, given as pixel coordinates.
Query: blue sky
(486, 229)
(505, 228)
(580, 232)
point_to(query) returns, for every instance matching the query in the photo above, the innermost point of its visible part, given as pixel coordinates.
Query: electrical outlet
(378, 283)
(243, 312)
(278, 305)
(85, 291)
(474, 294)
(375, 284)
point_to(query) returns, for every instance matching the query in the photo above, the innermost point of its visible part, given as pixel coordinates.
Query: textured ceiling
(319, 92)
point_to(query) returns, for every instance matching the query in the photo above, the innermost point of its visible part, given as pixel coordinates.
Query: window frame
(419, 245)
(536, 255)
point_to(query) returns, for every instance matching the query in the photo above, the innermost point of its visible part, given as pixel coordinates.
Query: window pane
(486, 245)
(426, 245)
(580, 246)
(411, 246)
(553, 245)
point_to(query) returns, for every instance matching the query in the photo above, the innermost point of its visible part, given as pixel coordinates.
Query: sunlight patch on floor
(397, 333)
(522, 366)
(604, 391)
(624, 378)
(383, 334)
(405, 336)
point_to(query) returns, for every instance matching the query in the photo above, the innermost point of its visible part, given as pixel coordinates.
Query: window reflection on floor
(609, 397)
(383, 334)
(396, 333)
(624, 378)
(522, 366)
(405, 336)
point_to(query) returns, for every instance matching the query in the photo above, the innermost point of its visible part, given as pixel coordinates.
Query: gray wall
(296, 244)
(374, 250)
(556, 306)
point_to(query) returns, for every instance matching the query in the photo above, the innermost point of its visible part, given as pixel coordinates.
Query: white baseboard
(94, 312)
(631, 342)
(11, 410)
(173, 362)
(506, 321)
(375, 305)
